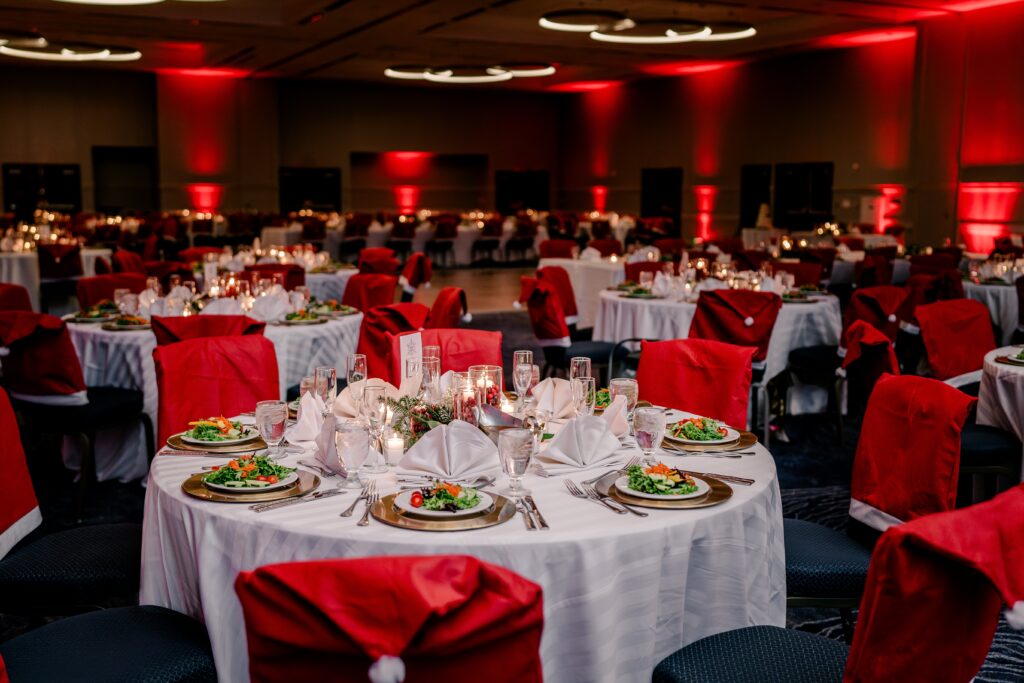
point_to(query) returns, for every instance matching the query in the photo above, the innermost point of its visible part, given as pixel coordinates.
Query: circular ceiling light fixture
(24, 39)
(523, 69)
(729, 30)
(407, 72)
(655, 32)
(466, 74)
(122, 3)
(585, 21)
(56, 53)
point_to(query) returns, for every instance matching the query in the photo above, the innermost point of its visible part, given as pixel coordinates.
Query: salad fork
(370, 501)
(579, 493)
(629, 463)
(594, 493)
(362, 495)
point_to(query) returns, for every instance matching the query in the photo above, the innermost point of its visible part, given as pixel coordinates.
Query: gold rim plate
(300, 323)
(1005, 360)
(111, 327)
(719, 493)
(257, 444)
(385, 511)
(193, 486)
(746, 440)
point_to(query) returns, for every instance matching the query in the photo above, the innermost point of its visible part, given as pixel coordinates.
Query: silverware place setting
(531, 505)
(370, 485)
(309, 497)
(593, 492)
(527, 520)
(575, 490)
(372, 497)
(632, 462)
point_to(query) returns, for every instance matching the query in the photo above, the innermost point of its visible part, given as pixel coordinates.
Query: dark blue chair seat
(81, 567)
(757, 654)
(811, 363)
(130, 644)
(971, 388)
(823, 562)
(987, 446)
(108, 406)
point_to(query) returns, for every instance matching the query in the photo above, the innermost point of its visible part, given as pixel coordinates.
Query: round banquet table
(620, 592)
(125, 360)
(589, 279)
(1001, 301)
(326, 286)
(798, 325)
(284, 236)
(22, 268)
(1001, 397)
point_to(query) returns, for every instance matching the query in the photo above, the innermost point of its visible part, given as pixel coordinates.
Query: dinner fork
(371, 499)
(594, 493)
(579, 493)
(362, 495)
(629, 463)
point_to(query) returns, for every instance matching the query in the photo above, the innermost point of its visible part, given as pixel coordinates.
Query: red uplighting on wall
(206, 73)
(205, 196)
(984, 211)
(407, 198)
(705, 205)
(583, 86)
(599, 194)
(888, 206)
(861, 38)
(407, 165)
(714, 97)
(971, 5)
(686, 68)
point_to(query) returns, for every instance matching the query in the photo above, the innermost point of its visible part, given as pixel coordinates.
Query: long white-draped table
(1002, 304)
(326, 286)
(798, 325)
(125, 360)
(620, 592)
(1001, 396)
(589, 279)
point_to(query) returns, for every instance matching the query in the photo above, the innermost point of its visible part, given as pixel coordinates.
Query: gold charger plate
(193, 486)
(384, 511)
(111, 327)
(1005, 360)
(746, 440)
(300, 323)
(719, 493)
(257, 444)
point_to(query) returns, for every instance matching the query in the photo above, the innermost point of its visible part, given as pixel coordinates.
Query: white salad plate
(622, 484)
(404, 504)
(281, 484)
(248, 434)
(731, 435)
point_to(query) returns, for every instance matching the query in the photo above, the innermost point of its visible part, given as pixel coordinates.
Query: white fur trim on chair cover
(387, 669)
(1015, 616)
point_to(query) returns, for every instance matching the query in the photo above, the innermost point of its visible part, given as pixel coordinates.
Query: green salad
(603, 400)
(215, 429)
(1020, 356)
(248, 472)
(698, 429)
(445, 496)
(660, 479)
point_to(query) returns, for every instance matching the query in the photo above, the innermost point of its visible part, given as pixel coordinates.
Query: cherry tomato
(416, 500)
(272, 479)
(215, 468)
(261, 478)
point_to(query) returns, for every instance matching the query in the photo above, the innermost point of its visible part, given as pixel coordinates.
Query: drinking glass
(579, 366)
(352, 445)
(375, 410)
(432, 352)
(646, 280)
(355, 374)
(649, 427)
(624, 386)
(306, 384)
(174, 280)
(522, 373)
(270, 420)
(430, 380)
(191, 285)
(515, 448)
(130, 304)
(119, 295)
(303, 291)
(534, 379)
(154, 284)
(584, 395)
(325, 379)
(414, 372)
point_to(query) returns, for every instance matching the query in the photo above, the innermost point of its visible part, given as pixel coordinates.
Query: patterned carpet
(814, 474)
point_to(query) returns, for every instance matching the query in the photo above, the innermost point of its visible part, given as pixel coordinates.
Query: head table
(125, 360)
(620, 592)
(798, 324)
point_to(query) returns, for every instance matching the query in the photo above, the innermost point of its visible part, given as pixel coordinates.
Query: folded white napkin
(582, 443)
(225, 306)
(615, 416)
(356, 451)
(180, 292)
(590, 254)
(662, 285)
(271, 307)
(310, 420)
(453, 451)
(555, 396)
(345, 407)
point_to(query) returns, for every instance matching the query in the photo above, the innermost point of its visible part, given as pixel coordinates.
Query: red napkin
(171, 330)
(365, 291)
(956, 334)
(378, 325)
(737, 316)
(42, 360)
(449, 308)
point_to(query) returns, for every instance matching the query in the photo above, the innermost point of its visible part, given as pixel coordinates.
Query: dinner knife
(263, 507)
(527, 520)
(536, 511)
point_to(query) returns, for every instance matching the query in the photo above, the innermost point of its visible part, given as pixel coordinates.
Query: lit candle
(394, 447)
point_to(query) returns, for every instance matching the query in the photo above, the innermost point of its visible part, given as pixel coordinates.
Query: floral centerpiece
(413, 417)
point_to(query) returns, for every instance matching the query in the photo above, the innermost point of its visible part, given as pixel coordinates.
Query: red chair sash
(700, 376)
(42, 360)
(378, 324)
(876, 306)
(19, 514)
(934, 591)
(737, 316)
(956, 334)
(459, 349)
(92, 290)
(546, 313)
(199, 378)
(294, 275)
(448, 308)
(557, 248)
(607, 247)
(417, 271)
(14, 298)
(443, 615)
(558, 278)
(908, 455)
(173, 330)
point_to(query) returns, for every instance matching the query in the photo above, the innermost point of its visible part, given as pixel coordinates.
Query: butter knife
(263, 507)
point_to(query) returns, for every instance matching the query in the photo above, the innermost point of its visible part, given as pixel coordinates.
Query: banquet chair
(177, 329)
(671, 245)
(14, 298)
(934, 593)
(547, 317)
(743, 318)
(45, 380)
(441, 616)
(956, 335)
(449, 309)
(142, 644)
(441, 245)
(197, 254)
(92, 290)
(459, 349)
(803, 273)
(922, 289)
(294, 274)
(382, 266)
(103, 266)
(59, 261)
(365, 291)
(932, 264)
(558, 248)
(417, 271)
(379, 323)
(558, 277)
(607, 246)
(212, 376)
(489, 240)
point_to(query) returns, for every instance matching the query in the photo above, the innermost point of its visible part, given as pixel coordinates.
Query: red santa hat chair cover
(19, 514)
(14, 298)
(368, 290)
(546, 312)
(39, 362)
(375, 332)
(173, 330)
(459, 348)
(737, 316)
(558, 277)
(417, 271)
(956, 334)
(449, 309)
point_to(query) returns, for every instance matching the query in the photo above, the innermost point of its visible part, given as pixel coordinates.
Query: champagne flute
(430, 381)
(432, 352)
(271, 417)
(355, 374)
(326, 382)
(584, 394)
(522, 373)
(375, 410)
(414, 372)
(579, 366)
(515, 448)
(649, 427)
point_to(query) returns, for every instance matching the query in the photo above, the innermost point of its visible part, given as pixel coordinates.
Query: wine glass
(649, 427)
(584, 395)
(624, 386)
(325, 379)
(153, 283)
(375, 410)
(352, 445)
(515, 448)
(522, 373)
(355, 373)
(430, 380)
(270, 421)
(119, 297)
(579, 366)
(646, 280)
(173, 280)
(414, 372)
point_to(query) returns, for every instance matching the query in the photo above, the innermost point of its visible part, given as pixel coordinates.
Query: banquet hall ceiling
(357, 39)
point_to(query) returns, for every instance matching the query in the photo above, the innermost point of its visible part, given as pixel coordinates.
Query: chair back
(633, 270)
(174, 330)
(607, 247)
(194, 254)
(442, 615)
(927, 288)
(546, 313)
(558, 277)
(418, 271)
(803, 273)
(92, 290)
(379, 323)
(211, 376)
(670, 245)
(934, 591)
(931, 264)
(151, 248)
(708, 378)
(908, 455)
(314, 229)
(459, 349)
(41, 364)
(128, 262)
(374, 254)
(877, 306)
(557, 248)
(956, 334)
(102, 266)
(294, 274)
(737, 316)
(59, 260)
(853, 243)
(383, 266)
(19, 514)
(869, 355)
(14, 298)
(365, 291)
(448, 309)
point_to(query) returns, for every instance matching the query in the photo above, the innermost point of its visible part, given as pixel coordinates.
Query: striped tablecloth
(326, 286)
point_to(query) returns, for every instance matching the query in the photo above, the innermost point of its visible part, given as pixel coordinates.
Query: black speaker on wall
(309, 188)
(125, 179)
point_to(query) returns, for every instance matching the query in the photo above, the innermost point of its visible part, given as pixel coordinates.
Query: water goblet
(646, 280)
(627, 387)
(352, 446)
(579, 366)
(649, 427)
(271, 417)
(584, 395)
(375, 410)
(515, 448)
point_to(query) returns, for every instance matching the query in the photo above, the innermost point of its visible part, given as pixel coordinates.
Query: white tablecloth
(589, 279)
(325, 286)
(1001, 399)
(1001, 301)
(843, 272)
(22, 268)
(89, 256)
(620, 592)
(125, 360)
(280, 236)
(798, 325)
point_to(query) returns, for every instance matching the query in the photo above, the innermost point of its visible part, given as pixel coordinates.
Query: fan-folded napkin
(615, 416)
(457, 450)
(345, 406)
(270, 307)
(582, 443)
(555, 396)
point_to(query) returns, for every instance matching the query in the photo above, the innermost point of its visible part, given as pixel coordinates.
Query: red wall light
(583, 86)
(407, 198)
(599, 195)
(971, 5)
(686, 68)
(405, 165)
(861, 38)
(205, 196)
(206, 73)
(984, 211)
(888, 206)
(705, 205)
